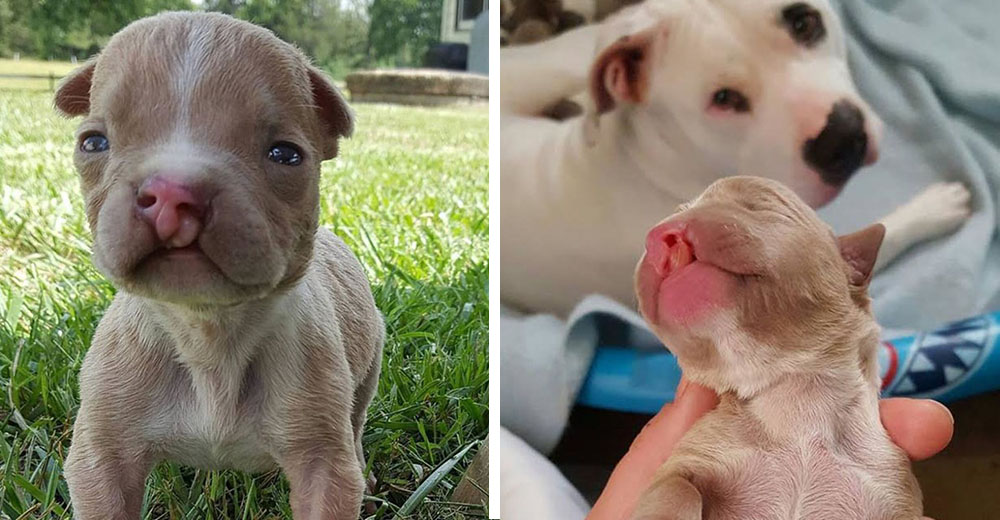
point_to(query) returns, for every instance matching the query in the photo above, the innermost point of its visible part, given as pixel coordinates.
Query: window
(467, 12)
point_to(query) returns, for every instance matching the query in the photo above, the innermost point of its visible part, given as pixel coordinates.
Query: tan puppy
(760, 302)
(242, 336)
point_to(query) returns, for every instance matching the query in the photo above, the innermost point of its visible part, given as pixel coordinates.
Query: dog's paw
(371, 483)
(939, 209)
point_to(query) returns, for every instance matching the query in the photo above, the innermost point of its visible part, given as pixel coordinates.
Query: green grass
(408, 193)
(34, 68)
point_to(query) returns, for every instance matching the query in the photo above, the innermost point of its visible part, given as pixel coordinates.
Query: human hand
(921, 427)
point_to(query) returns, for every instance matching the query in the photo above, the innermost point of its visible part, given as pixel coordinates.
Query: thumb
(650, 450)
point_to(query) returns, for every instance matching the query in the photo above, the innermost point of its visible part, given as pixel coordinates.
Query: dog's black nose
(839, 150)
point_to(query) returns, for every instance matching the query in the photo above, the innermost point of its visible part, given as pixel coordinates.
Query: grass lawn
(32, 68)
(408, 193)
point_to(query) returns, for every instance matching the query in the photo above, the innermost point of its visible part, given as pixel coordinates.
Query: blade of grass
(431, 481)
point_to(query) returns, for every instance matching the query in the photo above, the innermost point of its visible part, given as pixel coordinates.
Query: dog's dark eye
(729, 99)
(285, 153)
(804, 24)
(94, 143)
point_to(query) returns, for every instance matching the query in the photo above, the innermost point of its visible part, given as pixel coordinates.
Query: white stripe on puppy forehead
(202, 57)
(190, 68)
(184, 158)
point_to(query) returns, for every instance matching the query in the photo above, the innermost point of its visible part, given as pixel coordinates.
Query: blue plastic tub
(956, 361)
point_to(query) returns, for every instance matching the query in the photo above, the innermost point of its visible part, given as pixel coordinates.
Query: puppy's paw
(939, 209)
(370, 508)
(670, 498)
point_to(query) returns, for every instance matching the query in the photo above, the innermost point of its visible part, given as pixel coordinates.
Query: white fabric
(531, 487)
(544, 361)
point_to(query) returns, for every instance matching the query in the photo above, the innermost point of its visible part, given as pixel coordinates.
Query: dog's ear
(621, 73)
(73, 94)
(334, 114)
(859, 250)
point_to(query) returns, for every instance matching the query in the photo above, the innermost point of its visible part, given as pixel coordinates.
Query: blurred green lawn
(408, 193)
(30, 67)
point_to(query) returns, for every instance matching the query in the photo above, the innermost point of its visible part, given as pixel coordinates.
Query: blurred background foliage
(340, 35)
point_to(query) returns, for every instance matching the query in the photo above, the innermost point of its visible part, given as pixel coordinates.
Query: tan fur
(792, 354)
(267, 353)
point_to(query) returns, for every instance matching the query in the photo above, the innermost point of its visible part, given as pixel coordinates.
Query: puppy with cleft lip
(242, 334)
(762, 304)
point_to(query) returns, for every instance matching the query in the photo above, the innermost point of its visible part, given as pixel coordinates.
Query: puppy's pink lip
(659, 274)
(664, 282)
(679, 285)
(652, 285)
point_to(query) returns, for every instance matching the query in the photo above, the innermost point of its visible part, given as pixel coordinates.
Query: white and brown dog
(679, 94)
(242, 336)
(761, 303)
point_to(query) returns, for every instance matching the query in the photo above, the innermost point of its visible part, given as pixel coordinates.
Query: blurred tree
(339, 35)
(332, 32)
(401, 31)
(64, 28)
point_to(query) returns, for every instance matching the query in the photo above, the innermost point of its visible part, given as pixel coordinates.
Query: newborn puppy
(760, 302)
(242, 336)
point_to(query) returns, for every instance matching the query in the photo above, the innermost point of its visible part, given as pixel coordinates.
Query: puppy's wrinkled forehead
(759, 194)
(203, 76)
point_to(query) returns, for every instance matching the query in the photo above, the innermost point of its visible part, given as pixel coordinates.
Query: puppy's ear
(73, 94)
(334, 114)
(859, 250)
(621, 73)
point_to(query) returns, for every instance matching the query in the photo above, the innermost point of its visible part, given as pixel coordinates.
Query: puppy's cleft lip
(184, 231)
(669, 252)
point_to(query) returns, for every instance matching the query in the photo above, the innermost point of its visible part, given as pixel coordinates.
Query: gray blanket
(931, 69)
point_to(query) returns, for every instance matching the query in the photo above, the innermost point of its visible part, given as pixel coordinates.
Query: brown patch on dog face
(621, 73)
(201, 99)
(788, 297)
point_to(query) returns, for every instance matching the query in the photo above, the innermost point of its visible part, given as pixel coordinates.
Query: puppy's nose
(668, 249)
(174, 210)
(841, 147)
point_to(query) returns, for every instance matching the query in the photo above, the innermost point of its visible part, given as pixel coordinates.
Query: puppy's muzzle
(841, 147)
(173, 209)
(668, 249)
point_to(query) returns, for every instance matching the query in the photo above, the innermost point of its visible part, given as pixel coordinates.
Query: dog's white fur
(262, 349)
(575, 194)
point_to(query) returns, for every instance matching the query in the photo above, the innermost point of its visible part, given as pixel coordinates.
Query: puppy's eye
(729, 99)
(94, 143)
(285, 153)
(804, 24)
